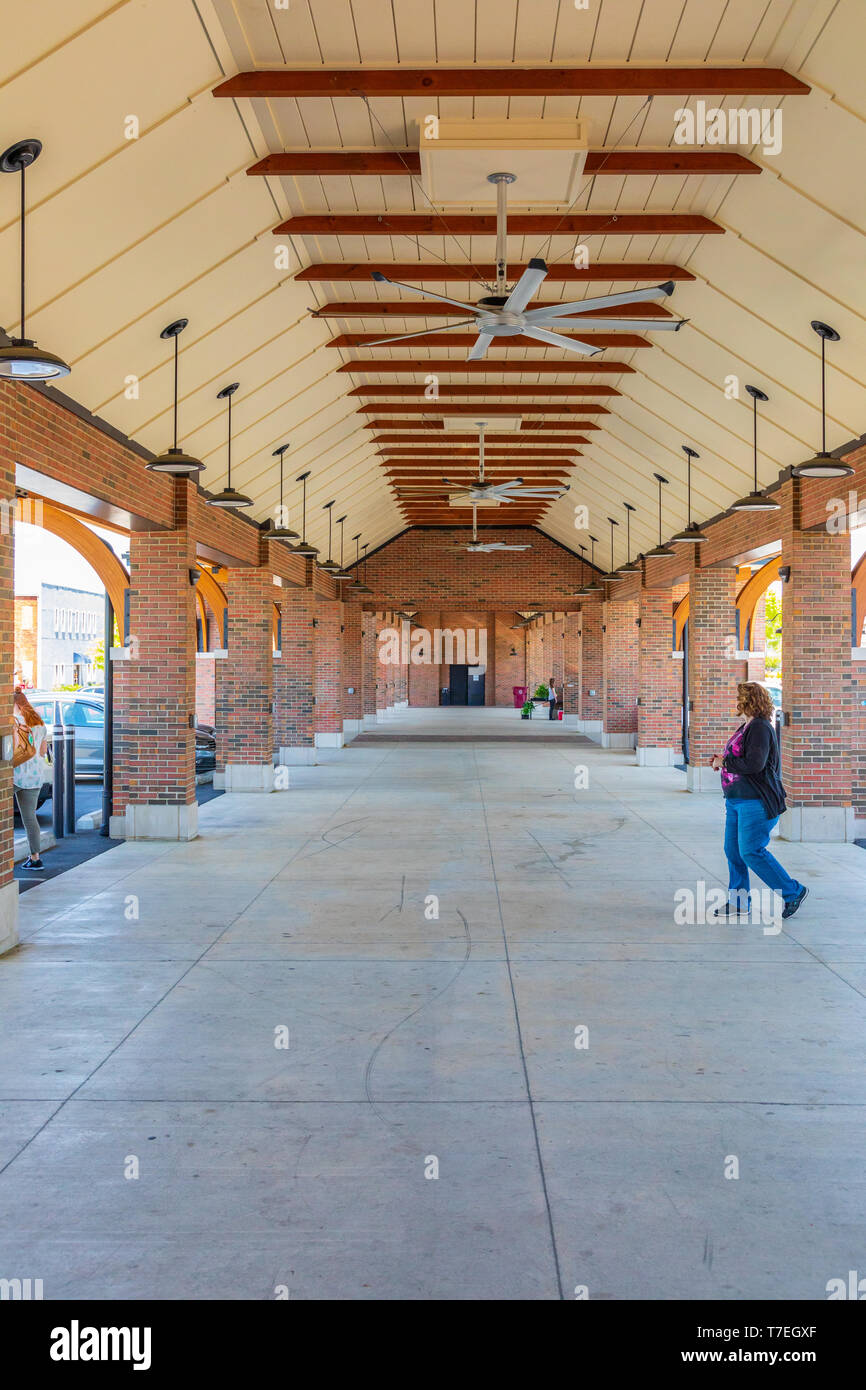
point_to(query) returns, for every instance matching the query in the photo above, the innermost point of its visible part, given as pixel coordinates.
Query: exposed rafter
(408, 162)
(415, 224)
(464, 271)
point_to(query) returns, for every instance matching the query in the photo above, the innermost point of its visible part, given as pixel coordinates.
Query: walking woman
(28, 777)
(754, 801)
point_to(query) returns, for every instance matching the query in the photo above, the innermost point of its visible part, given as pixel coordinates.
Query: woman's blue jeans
(747, 834)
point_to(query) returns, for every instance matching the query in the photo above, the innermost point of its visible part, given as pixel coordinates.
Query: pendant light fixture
(613, 576)
(630, 566)
(275, 531)
(756, 501)
(329, 566)
(692, 535)
(303, 547)
(359, 587)
(341, 573)
(174, 461)
(823, 465)
(229, 497)
(592, 586)
(21, 359)
(659, 549)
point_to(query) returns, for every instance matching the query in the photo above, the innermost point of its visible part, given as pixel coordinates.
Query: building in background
(57, 632)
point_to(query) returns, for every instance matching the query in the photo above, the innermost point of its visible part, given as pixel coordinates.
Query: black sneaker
(790, 908)
(34, 868)
(732, 910)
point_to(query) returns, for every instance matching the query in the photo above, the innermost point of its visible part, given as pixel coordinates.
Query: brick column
(329, 692)
(368, 671)
(713, 671)
(591, 671)
(294, 679)
(8, 886)
(352, 670)
(571, 669)
(620, 658)
(660, 683)
(817, 683)
(245, 684)
(155, 689)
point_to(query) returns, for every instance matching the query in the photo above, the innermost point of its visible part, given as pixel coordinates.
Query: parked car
(84, 710)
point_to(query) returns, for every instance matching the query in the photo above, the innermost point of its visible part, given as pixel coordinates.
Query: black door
(476, 686)
(458, 682)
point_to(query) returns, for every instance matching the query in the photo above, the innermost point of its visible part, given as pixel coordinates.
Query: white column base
(351, 729)
(657, 757)
(330, 738)
(8, 916)
(370, 721)
(155, 821)
(401, 704)
(593, 728)
(702, 779)
(617, 740)
(571, 721)
(301, 756)
(249, 777)
(822, 824)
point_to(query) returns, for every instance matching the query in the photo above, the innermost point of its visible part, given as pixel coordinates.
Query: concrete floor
(137, 1022)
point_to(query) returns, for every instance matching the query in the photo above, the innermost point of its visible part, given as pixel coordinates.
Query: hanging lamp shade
(329, 566)
(175, 461)
(630, 566)
(613, 576)
(692, 534)
(303, 547)
(357, 586)
(592, 586)
(660, 549)
(275, 532)
(755, 501)
(21, 359)
(341, 573)
(229, 497)
(822, 464)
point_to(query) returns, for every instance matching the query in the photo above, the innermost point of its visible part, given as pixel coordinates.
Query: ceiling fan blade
(422, 333)
(428, 294)
(539, 318)
(479, 350)
(609, 301)
(558, 340)
(528, 284)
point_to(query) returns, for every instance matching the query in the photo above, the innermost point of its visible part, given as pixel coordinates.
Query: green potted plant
(526, 710)
(541, 693)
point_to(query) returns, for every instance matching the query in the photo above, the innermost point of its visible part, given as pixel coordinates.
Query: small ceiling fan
(486, 493)
(505, 315)
(484, 547)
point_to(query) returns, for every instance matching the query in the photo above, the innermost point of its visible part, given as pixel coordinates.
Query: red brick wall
(591, 662)
(508, 670)
(352, 655)
(329, 666)
(817, 684)
(418, 570)
(294, 679)
(155, 691)
(368, 665)
(659, 715)
(205, 690)
(245, 679)
(858, 730)
(713, 675)
(620, 666)
(27, 638)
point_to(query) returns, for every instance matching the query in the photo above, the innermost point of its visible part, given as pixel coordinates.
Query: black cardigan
(759, 765)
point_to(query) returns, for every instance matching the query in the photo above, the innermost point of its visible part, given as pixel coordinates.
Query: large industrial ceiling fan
(505, 314)
(478, 547)
(481, 492)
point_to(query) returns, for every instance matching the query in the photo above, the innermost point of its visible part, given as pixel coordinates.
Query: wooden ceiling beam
(596, 340)
(465, 271)
(439, 365)
(598, 162)
(477, 388)
(514, 439)
(582, 224)
(430, 309)
(440, 81)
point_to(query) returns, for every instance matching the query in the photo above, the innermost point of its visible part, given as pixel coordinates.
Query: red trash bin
(519, 693)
